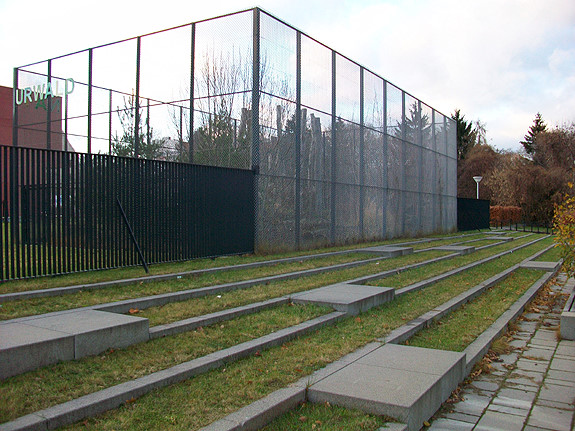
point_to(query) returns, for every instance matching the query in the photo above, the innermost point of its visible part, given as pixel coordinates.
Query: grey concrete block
(558, 375)
(514, 398)
(387, 250)
(568, 317)
(31, 422)
(500, 238)
(568, 325)
(96, 331)
(348, 298)
(542, 266)
(24, 347)
(328, 370)
(460, 249)
(403, 382)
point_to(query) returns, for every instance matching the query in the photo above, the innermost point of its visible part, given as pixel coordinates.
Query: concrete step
(406, 383)
(40, 341)
(387, 250)
(500, 238)
(543, 266)
(348, 298)
(461, 249)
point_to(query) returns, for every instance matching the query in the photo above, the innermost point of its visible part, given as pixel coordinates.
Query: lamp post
(477, 180)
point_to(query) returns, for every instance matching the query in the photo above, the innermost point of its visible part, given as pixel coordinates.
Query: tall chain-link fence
(340, 154)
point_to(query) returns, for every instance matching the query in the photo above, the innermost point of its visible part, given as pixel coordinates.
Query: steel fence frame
(337, 159)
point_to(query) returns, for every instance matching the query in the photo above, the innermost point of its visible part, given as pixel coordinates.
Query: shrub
(504, 214)
(564, 225)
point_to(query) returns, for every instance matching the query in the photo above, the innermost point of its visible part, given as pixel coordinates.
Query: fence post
(137, 101)
(298, 143)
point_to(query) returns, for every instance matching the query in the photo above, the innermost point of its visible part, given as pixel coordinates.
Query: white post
(477, 180)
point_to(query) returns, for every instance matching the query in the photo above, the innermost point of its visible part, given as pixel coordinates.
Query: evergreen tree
(466, 135)
(148, 148)
(537, 127)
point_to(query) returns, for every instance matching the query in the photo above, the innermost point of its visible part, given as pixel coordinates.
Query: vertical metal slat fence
(60, 213)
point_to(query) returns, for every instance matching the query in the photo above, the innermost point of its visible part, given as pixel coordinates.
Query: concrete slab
(348, 298)
(543, 266)
(404, 382)
(492, 420)
(461, 249)
(559, 393)
(472, 404)
(568, 318)
(550, 418)
(96, 331)
(500, 238)
(41, 341)
(24, 348)
(445, 424)
(387, 251)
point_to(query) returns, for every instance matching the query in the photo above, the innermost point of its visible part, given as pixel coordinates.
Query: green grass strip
(461, 327)
(446, 241)
(552, 255)
(278, 268)
(199, 401)
(325, 417)
(190, 265)
(33, 306)
(413, 276)
(55, 384)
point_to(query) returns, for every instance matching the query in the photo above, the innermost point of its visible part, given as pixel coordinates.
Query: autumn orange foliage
(564, 227)
(504, 214)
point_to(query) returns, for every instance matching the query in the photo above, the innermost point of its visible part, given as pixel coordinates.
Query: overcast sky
(499, 61)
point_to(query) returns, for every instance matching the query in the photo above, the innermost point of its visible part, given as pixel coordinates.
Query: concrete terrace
(371, 378)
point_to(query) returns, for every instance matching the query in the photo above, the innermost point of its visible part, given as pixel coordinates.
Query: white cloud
(499, 61)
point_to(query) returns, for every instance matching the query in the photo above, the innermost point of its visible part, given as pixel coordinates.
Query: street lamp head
(477, 179)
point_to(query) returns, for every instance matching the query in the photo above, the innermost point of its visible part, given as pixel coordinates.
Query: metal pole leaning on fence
(144, 264)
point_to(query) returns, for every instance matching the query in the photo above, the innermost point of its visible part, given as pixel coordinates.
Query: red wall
(32, 123)
(5, 115)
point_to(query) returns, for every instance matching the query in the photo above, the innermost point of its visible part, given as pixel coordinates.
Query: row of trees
(535, 178)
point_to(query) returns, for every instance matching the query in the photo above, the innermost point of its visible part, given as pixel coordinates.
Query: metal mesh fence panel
(223, 71)
(347, 204)
(374, 225)
(394, 216)
(339, 154)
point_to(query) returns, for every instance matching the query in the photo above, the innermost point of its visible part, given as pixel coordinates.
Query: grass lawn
(190, 265)
(325, 417)
(461, 327)
(57, 383)
(413, 276)
(205, 398)
(552, 255)
(33, 306)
